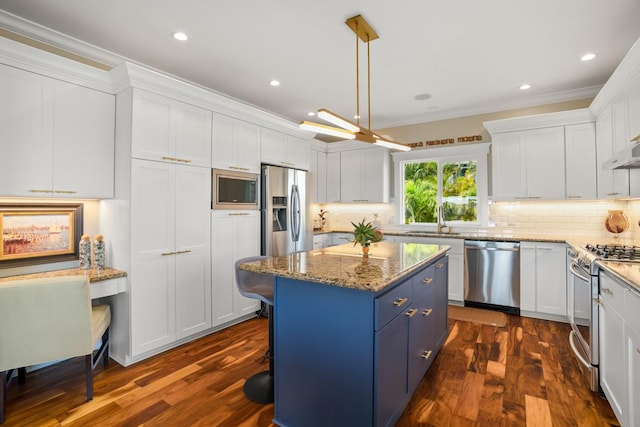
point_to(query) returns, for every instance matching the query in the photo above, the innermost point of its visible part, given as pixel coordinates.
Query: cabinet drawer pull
(520, 198)
(238, 213)
(427, 280)
(168, 253)
(426, 355)
(638, 350)
(400, 302)
(64, 192)
(411, 312)
(184, 251)
(427, 311)
(169, 158)
(440, 265)
(612, 194)
(607, 291)
(574, 197)
(238, 168)
(183, 160)
(533, 197)
(40, 191)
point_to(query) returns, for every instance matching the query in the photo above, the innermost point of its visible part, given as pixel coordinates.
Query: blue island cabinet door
(323, 355)
(391, 369)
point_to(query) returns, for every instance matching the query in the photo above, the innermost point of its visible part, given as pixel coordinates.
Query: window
(452, 177)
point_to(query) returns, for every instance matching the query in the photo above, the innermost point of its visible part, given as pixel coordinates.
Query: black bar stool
(259, 387)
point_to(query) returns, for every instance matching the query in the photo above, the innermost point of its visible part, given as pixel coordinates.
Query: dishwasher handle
(482, 248)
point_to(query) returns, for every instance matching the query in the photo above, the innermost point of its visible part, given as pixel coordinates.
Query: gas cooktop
(615, 252)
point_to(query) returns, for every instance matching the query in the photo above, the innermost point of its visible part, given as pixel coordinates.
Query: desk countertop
(93, 274)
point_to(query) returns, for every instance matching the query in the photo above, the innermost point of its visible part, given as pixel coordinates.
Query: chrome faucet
(441, 222)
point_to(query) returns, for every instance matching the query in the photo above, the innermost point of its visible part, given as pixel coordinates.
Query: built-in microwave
(234, 190)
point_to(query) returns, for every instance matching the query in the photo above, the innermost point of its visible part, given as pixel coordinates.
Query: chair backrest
(254, 285)
(44, 319)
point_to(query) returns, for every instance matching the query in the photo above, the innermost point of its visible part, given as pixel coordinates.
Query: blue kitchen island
(354, 335)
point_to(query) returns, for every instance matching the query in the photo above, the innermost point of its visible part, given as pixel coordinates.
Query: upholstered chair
(50, 319)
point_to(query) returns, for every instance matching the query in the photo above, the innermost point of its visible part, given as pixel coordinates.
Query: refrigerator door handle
(295, 213)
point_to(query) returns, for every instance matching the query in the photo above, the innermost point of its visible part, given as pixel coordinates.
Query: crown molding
(621, 77)
(560, 118)
(28, 58)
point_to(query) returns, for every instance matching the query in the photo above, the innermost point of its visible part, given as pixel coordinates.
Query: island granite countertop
(345, 266)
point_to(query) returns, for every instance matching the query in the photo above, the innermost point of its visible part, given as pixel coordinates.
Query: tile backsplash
(567, 218)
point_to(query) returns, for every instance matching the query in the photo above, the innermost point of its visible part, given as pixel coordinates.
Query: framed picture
(39, 233)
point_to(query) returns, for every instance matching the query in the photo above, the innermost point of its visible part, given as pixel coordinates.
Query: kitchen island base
(350, 357)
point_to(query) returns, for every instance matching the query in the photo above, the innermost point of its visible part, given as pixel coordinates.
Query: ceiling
(470, 56)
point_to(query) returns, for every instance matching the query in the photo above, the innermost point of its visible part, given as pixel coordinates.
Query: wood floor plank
(484, 376)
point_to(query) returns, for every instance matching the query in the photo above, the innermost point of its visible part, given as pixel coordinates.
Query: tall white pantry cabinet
(159, 223)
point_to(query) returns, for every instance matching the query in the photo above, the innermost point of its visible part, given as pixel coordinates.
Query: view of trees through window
(456, 189)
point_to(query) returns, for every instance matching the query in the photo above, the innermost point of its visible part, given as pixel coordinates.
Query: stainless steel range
(582, 300)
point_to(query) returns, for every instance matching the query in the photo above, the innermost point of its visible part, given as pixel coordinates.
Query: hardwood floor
(523, 374)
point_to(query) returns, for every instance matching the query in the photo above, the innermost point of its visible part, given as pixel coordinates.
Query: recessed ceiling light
(525, 86)
(274, 83)
(311, 113)
(180, 36)
(588, 56)
(422, 97)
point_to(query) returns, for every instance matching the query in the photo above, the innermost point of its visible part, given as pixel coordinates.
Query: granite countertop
(93, 274)
(345, 266)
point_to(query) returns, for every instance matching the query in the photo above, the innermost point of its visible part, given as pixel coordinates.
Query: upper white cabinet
(285, 150)
(364, 176)
(333, 178)
(164, 129)
(318, 169)
(236, 144)
(529, 165)
(580, 161)
(544, 157)
(55, 136)
(611, 183)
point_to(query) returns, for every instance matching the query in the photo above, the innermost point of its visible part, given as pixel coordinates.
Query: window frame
(478, 153)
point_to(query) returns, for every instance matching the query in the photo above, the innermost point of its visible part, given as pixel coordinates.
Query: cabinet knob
(597, 301)
(427, 312)
(426, 355)
(427, 280)
(411, 312)
(607, 291)
(638, 350)
(440, 265)
(400, 302)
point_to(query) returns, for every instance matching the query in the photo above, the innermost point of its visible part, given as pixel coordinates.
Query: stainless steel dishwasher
(492, 275)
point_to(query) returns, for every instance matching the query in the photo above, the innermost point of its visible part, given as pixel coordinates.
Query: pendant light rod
(357, 76)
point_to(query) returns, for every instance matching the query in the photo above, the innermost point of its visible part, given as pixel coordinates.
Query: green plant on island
(364, 233)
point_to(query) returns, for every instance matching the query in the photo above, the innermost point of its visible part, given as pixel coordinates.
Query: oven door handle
(582, 360)
(577, 273)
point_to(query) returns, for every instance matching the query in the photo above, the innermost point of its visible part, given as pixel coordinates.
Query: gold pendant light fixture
(348, 129)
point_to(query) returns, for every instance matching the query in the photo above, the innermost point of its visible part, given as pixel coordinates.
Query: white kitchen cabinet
(58, 135)
(341, 238)
(167, 130)
(281, 149)
(529, 165)
(234, 235)
(543, 275)
(456, 262)
(364, 176)
(318, 169)
(236, 144)
(633, 370)
(333, 177)
(580, 161)
(170, 253)
(611, 183)
(322, 240)
(613, 369)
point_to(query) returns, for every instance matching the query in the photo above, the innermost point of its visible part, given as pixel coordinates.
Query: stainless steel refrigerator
(287, 225)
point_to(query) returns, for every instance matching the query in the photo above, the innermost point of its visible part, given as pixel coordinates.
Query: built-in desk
(104, 282)
(354, 335)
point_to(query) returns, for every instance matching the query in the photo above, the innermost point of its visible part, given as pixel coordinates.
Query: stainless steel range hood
(628, 158)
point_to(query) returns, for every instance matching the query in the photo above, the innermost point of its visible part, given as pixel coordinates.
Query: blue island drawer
(392, 303)
(423, 281)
